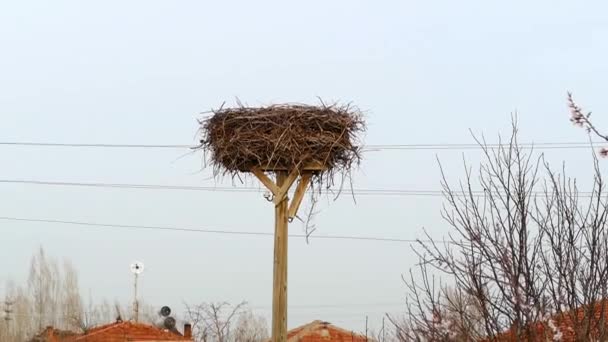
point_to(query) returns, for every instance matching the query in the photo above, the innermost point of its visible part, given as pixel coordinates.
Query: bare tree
(55, 293)
(386, 332)
(71, 301)
(250, 328)
(575, 257)
(524, 253)
(52, 297)
(94, 314)
(42, 284)
(222, 322)
(19, 325)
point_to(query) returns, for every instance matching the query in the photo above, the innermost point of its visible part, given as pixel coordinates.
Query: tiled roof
(128, 331)
(563, 325)
(121, 331)
(51, 334)
(319, 331)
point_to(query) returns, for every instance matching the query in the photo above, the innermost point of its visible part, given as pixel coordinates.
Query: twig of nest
(283, 137)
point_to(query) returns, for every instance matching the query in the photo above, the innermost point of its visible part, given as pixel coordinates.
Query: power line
(445, 146)
(207, 231)
(356, 191)
(449, 146)
(208, 188)
(50, 144)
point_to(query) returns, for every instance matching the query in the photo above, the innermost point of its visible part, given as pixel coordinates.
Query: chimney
(187, 330)
(49, 332)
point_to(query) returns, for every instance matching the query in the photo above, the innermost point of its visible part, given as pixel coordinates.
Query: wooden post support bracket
(280, 193)
(284, 212)
(299, 194)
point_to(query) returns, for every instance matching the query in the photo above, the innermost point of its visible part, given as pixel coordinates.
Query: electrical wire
(355, 191)
(446, 146)
(207, 231)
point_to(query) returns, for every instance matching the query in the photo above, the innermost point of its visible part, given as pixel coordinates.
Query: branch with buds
(581, 119)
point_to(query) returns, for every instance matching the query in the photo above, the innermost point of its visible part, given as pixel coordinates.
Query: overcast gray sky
(140, 72)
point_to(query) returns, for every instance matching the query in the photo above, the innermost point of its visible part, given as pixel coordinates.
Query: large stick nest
(283, 137)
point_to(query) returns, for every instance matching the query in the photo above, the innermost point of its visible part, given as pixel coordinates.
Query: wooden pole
(279, 293)
(283, 211)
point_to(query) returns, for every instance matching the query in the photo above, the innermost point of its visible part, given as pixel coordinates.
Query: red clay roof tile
(564, 324)
(115, 332)
(319, 331)
(129, 331)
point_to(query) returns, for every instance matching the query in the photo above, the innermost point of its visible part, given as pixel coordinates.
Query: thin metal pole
(135, 302)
